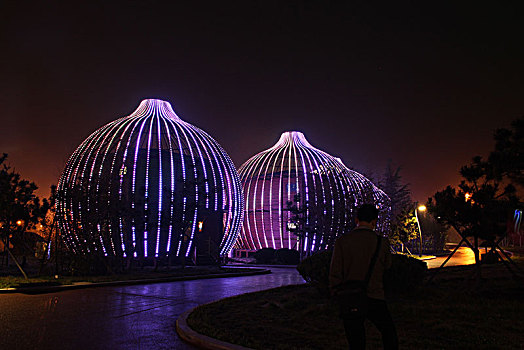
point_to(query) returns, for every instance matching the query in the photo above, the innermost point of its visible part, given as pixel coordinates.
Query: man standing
(352, 258)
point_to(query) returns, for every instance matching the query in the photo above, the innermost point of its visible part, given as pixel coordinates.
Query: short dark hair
(367, 213)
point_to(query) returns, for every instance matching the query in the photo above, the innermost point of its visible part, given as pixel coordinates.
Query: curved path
(463, 256)
(125, 317)
(129, 317)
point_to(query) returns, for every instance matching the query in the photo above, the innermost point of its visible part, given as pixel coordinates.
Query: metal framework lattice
(143, 185)
(322, 191)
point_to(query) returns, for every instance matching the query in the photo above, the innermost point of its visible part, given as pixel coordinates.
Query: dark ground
(448, 313)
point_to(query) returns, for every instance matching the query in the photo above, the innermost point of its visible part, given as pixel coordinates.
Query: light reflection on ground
(131, 317)
(463, 256)
(123, 317)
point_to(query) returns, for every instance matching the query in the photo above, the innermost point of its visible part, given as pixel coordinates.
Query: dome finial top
(156, 106)
(293, 137)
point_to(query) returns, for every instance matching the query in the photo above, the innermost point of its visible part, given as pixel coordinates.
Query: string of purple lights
(140, 185)
(294, 173)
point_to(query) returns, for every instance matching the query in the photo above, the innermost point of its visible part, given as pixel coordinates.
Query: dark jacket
(351, 257)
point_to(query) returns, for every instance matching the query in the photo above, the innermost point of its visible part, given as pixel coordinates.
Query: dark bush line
(406, 273)
(283, 256)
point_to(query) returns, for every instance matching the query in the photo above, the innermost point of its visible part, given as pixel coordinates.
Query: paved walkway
(463, 256)
(123, 317)
(129, 317)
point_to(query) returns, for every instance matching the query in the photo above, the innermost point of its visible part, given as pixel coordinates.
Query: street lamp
(419, 208)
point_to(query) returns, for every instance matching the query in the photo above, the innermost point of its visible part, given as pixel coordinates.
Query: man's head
(367, 214)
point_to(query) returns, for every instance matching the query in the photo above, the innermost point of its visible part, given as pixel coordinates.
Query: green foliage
(406, 274)
(406, 232)
(287, 256)
(265, 256)
(403, 221)
(405, 227)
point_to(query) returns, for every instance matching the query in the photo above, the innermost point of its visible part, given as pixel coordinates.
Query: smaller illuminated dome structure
(299, 197)
(149, 185)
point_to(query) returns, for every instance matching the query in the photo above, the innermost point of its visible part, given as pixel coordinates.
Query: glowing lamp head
(19, 222)
(422, 207)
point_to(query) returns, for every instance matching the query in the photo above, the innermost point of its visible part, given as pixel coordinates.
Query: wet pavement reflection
(128, 317)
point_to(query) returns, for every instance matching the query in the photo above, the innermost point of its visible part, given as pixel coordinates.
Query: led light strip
(118, 163)
(329, 190)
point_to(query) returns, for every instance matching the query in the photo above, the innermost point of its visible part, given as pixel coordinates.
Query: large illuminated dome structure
(299, 197)
(150, 185)
(364, 191)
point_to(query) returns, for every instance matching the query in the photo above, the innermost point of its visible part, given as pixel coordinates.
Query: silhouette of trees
(480, 206)
(20, 208)
(397, 191)
(507, 159)
(404, 227)
(403, 222)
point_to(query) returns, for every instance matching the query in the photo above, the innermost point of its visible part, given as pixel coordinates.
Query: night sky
(422, 86)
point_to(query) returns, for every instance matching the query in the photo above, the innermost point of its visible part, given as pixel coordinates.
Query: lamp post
(419, 208)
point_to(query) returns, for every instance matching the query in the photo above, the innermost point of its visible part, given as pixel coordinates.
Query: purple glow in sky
(424, 84)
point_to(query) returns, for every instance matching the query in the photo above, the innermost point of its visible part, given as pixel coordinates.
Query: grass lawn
(139, 274)
(448, 313)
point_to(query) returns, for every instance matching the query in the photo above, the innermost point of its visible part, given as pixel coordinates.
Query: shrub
(315, 269)
(265, 256)
(81, 265)
(287, 256)
(405, 274)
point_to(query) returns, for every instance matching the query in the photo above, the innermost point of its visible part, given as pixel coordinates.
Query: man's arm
(336, 270)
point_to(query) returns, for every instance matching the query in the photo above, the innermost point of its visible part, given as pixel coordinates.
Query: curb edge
(190, 336)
